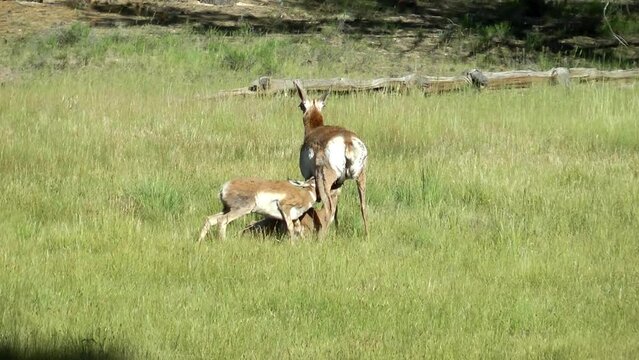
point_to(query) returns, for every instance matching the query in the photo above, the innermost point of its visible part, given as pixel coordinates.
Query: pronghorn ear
(303, 183)
(300, 90)
(297, 182)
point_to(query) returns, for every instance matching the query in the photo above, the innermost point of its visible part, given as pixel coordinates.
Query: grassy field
(504, 224)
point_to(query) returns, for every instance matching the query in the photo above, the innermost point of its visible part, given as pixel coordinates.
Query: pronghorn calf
(286, 200)
(332, 155)
(309, 222)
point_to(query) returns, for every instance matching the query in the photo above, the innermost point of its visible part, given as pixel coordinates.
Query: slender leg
(297, 228)
(334, 196)
(289, 223)
(319, 184)
(254, 227)
(324, 179)
(210, 221)
(361, 189)
(318, 220)
(330, 178)
(265, 226)
(229, 217)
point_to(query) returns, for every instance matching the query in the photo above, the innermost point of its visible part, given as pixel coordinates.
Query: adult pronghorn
(332, 154)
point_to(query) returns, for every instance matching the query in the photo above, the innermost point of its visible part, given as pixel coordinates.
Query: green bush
(497, 32)
(261, 58)
(76, 33)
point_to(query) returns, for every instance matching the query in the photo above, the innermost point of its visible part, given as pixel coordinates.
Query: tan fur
(313, 119)
(239, 198)
(238, 188)
(316, 137)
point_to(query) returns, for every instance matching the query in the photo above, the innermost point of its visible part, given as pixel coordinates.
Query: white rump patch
(336, 154)
(357, 158)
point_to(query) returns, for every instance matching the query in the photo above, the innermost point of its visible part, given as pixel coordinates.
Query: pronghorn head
(312, 108)
(308, 184)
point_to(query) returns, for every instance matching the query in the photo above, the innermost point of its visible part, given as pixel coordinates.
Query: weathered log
(589, 74)
(437, 84)
(586, 42)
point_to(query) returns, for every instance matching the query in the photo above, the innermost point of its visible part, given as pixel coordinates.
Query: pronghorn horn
(323, 98)
(300, 90)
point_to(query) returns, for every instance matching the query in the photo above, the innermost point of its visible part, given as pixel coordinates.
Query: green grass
(221, 60)
(503, 224)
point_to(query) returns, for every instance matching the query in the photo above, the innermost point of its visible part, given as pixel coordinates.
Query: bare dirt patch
(493, 31)
(21, 18)
(24, 17)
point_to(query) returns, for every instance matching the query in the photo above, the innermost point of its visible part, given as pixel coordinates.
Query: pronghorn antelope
(332, 155)
(309, 222)
(286, 200)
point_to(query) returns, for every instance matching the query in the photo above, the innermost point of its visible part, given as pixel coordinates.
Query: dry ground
(436, 30)
(411, 35)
